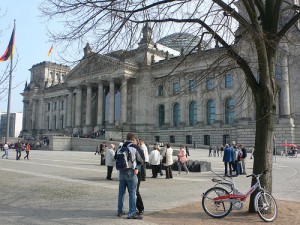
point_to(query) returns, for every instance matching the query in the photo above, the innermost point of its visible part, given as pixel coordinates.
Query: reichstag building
(164, 91)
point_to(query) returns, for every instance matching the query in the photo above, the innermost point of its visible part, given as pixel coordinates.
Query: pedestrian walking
(182, 160)
(5, 147)
(210, 151)
(102, 153)
(27, 150)
(97, 151)
(18, 147)
(187, 150)
(221, 150)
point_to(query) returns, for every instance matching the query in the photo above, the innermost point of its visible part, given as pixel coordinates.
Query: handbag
(164, 160)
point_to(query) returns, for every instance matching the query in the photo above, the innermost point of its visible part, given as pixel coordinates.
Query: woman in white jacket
(154, 160)
(110, 160)
(168, 152)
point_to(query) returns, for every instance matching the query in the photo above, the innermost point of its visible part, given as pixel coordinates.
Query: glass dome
(177, 41)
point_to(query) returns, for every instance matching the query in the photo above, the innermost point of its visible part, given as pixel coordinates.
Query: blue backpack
(123, 158)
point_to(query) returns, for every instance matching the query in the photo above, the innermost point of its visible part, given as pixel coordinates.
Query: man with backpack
(127, 158)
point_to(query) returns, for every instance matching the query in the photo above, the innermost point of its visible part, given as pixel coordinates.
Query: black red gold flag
(9, 52)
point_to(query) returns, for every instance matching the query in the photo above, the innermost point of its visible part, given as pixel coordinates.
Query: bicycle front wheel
(266, 206)
(216, 209)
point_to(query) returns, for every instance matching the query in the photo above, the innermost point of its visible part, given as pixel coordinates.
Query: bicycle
(218, 202)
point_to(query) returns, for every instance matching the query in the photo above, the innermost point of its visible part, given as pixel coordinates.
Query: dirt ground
(288, 214)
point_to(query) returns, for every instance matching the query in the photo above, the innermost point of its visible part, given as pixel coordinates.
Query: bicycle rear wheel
(266, 206)
(216, 209)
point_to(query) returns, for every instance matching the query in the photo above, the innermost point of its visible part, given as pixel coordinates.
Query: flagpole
(9, 93)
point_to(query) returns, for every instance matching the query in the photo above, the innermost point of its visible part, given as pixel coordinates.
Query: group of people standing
(216, 151)
(235, 159)
(131, 178)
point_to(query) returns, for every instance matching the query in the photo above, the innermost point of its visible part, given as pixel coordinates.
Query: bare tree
(261, 24)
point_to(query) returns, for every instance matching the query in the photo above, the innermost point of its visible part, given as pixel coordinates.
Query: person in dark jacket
(228, 159)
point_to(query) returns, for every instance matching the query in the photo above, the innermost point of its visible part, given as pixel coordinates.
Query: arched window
(52, 75)
(161, 115)
(193, 113)
(176, 114)
(211, 112)
(229, 111)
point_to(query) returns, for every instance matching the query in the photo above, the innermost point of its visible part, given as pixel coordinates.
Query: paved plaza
(67, 187)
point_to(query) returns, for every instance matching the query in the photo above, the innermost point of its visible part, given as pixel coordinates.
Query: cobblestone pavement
(67, 187)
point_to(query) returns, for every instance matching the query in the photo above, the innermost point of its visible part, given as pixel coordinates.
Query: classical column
(41, 113)
(45, 124)
(65, 116)
(25, 115)
(111, 118)
(78, 107)
(124, 101)
(33, 120)
(285, 90)
(51, 116)
(58, 118)
(88, 105)
(100, 104)
(69, 108)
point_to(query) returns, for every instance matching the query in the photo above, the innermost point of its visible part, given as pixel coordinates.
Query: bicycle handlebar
(257, 175)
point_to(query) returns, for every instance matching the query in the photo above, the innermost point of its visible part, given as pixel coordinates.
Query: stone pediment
(94, 64)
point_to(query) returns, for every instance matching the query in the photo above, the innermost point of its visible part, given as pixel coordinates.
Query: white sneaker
(187, 172)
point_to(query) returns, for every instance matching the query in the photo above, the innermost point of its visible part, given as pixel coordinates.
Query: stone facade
(159, 93)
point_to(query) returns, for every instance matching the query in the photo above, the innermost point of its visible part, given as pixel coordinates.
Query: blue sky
(31, 44)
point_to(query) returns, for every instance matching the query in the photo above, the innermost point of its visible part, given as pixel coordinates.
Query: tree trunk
(265, 113)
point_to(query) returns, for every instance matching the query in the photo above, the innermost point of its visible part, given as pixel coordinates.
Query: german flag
(50, 50)
(9, 52)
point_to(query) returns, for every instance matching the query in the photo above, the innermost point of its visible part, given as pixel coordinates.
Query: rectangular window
(228, 81)
(206, 139)
(175, 88)
(55, 105)
(160, 90)
(156, 139)
(62, 105)
(172, 139)
(189, 139)
(49, 106)
(209, 83)
(226, 139)
(192, 85)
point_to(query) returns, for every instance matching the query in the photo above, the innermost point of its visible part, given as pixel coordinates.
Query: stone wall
(59, 143)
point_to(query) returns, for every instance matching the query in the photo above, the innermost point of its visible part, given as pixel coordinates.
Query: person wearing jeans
(128, 179)
(228, 159)
(5, 151)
